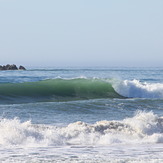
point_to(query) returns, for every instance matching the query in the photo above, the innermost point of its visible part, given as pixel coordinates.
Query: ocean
(81, 115)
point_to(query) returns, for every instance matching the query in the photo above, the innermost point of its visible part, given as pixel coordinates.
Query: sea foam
(144, 127)
(137, 89)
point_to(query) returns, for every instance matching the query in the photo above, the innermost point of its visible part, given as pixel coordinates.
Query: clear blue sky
(81, 32)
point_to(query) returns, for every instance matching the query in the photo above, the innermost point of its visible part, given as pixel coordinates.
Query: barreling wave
(56, 90)
(77, 89)
(144, 127)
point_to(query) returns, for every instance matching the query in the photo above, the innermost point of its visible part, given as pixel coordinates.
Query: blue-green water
(81, 115)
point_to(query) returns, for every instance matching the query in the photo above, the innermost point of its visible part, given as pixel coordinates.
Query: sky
(106, 33)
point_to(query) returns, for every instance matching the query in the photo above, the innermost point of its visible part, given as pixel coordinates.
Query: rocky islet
(12, 67)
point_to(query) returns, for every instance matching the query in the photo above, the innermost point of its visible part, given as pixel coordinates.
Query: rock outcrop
(11, 67)
(22, 68)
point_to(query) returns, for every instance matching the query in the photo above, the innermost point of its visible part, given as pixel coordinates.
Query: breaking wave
(144, 127)
(77, 89)
(56, 90)
(137, 89)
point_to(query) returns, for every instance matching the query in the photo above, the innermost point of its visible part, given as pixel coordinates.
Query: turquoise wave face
(56, 90)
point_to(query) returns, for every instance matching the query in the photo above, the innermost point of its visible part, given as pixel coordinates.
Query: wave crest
(77, 89)
(57, 90)
(137, 89)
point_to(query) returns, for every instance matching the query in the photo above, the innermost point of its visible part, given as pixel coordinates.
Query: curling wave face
(57, 90)
(77, 89)
(144, 127)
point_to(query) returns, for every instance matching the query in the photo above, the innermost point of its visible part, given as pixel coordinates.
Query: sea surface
(81, 115)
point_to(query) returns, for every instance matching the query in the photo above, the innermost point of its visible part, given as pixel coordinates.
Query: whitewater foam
(142, 128)
(137, 89)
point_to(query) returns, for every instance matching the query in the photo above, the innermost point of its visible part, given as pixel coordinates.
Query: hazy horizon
(81, 33)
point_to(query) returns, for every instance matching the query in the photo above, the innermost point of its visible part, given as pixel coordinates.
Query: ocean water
(81, 115)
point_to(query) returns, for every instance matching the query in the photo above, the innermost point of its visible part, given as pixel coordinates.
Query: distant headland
(11, 67)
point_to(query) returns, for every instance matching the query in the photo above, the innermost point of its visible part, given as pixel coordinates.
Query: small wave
(144, 127)
(137, 89)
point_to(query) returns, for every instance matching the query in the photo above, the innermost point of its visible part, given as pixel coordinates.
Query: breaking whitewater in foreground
(142, 128)
(108, 141)
(81, 115)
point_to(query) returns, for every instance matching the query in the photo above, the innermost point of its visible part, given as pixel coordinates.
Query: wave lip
(137, 89)
(144, 127)
(57, 90)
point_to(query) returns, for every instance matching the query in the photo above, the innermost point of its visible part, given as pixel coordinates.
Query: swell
(56, 90)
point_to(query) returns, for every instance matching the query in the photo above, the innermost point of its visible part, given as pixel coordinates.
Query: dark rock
(11, 67)
(22, 68)
(4, 68)
(1, 67)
